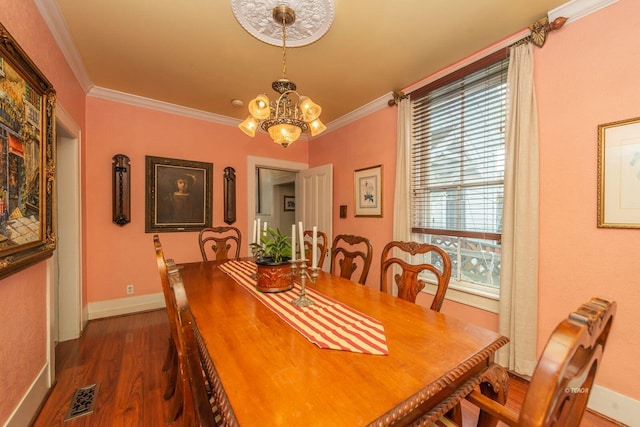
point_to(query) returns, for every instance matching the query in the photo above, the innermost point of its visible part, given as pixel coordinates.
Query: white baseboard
(615, 406)
(28, 407)
(117, 307)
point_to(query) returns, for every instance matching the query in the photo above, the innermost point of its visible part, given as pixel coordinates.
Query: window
(457, 178)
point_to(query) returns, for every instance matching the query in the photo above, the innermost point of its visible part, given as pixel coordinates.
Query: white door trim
(252, 163)
(69, 153)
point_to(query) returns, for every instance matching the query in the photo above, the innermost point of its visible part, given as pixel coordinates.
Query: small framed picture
(178, 195)
(289, 203)
(619, 174)
(367, 184)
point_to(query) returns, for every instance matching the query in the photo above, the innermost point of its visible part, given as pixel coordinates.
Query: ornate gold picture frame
(619, 174)
(27, 160)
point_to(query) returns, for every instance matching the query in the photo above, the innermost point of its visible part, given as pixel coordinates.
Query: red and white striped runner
(328, 323)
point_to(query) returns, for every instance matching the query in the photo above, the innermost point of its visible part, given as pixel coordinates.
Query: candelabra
(299, 267)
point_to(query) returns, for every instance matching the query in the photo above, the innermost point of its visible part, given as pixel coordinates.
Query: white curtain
(402, 194)
(518, 317)
(402, 197)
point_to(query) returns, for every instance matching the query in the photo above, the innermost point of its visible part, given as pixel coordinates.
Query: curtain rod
(538, 37)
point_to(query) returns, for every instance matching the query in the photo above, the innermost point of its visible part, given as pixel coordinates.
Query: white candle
(293, 241)
(264, 228)
(253, 236)
(314, 247)
(301, 231)
(258, 232)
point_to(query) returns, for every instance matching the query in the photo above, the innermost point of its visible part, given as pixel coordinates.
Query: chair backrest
(563, 379)
(166, 288)
(220, 243)
(348, 252)
(199, 406)
(322, 246)
(409, 284)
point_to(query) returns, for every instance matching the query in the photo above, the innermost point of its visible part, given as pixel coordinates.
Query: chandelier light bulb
(259, 107)
(249, 126)
(310, 110)
(316, 127)
(284, 134)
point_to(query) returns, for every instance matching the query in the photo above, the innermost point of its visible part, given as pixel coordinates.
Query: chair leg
(175, 405)
(168, 359)
(172, 375)
(455, 414)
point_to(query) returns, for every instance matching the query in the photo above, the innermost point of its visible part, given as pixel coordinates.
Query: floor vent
(82, 402)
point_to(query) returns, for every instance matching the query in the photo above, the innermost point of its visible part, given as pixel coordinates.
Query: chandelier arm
(286, 97)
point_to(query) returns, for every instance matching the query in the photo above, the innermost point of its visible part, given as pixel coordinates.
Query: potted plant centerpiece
(272, 259)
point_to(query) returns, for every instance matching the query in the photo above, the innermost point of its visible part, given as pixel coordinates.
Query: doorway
(67, 316)
(275, 197)
(253, 163)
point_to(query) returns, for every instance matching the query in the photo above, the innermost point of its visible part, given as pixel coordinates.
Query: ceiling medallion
(312, 20)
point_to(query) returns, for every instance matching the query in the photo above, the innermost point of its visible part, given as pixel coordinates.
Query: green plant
(274, 245)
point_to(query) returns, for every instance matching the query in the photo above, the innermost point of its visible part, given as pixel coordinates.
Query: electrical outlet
(130, 290)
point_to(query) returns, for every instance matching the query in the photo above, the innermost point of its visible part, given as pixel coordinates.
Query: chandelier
(291, 114)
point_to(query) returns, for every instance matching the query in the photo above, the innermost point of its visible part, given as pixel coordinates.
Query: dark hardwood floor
(124, 355)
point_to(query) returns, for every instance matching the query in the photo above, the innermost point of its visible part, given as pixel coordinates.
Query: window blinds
(458, 155)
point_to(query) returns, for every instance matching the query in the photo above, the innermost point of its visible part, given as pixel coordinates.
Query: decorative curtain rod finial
(542, 27)
(397, 97)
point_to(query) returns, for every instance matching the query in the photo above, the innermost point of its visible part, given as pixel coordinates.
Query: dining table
(358, 357)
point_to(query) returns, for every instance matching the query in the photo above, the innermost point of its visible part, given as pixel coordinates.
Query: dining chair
(220, 243)
(564, 376)
(349, 252)
(322, 246)
(199, 402)
(170, 365)
(409, 283)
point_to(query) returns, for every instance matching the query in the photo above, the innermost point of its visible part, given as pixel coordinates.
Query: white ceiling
(194, 53)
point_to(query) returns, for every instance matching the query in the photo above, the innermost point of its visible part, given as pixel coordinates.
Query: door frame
(252, 163)
(68, 131)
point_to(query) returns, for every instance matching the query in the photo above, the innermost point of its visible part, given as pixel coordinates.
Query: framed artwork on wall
(367, 185)
(178, 195)
(289, 203)
(27, 160)
(619, 174)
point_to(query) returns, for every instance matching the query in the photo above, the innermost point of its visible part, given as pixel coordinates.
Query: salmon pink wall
(23, 331)
(369, 141)
(117, 256)
(588, 74)
(23, 296)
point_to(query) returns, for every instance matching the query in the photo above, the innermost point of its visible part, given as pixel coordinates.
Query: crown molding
(576, 9)
(360, 112)
(56, 23)
(140, 101)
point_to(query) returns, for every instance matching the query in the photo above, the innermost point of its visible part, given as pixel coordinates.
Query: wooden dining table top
(272, 375)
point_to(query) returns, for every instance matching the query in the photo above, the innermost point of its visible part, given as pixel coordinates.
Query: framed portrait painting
(367, 185)
(619, 174)
(27, 160)
(178, 195)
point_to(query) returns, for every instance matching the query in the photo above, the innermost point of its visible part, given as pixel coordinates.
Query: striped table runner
(328, 323)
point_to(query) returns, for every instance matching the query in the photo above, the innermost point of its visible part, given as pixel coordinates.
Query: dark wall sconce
(229, 195)
(343, 211)
(121, 189)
